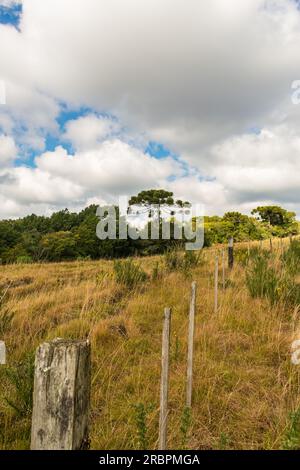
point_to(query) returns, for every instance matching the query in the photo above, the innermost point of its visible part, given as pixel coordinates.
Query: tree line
(68, 235)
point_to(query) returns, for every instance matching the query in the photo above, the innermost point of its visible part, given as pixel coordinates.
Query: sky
(106, 98)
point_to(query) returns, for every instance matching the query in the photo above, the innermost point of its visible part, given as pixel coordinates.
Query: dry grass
(245, 385)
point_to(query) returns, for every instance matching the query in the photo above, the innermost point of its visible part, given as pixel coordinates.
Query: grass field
(245, 386)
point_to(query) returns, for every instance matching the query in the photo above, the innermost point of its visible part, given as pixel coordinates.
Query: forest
(68, 235)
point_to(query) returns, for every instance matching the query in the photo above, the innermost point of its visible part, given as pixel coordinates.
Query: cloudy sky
(109, 97)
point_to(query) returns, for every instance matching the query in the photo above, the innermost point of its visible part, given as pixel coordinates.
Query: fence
(61, 398)
(62, 380)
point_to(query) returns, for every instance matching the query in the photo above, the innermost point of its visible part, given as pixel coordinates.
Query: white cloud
(87, 131)
(28, 113)
(264, 166)
(8, 150)
(27, 185)
(100, 174)
(114, 167)
(10, 3)
(211, 70)
(195, 76)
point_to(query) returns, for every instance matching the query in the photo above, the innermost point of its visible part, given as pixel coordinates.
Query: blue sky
(11, 15)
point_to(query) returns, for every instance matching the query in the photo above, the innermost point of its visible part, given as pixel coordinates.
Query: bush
(261, 279)
(191, 259)
(21, 378)
(140, 417)
(175, 260)
(129, 274)
(292, 438)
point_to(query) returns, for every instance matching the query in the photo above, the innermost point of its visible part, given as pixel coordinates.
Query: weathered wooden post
(271, 245)
(216, 283)
(223, 269)
(230, 253)
(164, 386)
(189, 383)
(61, 396)
(2, 353)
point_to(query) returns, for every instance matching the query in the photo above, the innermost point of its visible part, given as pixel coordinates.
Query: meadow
(246, 389)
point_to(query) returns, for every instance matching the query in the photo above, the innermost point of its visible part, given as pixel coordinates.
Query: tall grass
(291, 258)
(129, 273)
(244, 383)
(262, 279)
(274, 281)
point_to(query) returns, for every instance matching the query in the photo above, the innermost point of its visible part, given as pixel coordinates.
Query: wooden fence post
(164, 386)
(61, 396)
(230, 253)
(271, 245)
(189, 385)
(223, 269)
(2, 353)
(216, 283)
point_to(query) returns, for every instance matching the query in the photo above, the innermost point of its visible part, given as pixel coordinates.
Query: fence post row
(189, 386)
(61, 397)
(164, 386)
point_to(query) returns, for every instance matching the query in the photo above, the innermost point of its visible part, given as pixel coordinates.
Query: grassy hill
(245, 386)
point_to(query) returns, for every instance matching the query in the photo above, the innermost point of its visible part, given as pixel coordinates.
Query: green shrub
(292, 437)
(192, 259)
(140, 418)
(176, 261)
(261, 279)
(185, 426)
(21, 379)
(128, 273)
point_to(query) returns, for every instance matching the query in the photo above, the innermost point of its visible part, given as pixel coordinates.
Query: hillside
(245, 386)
